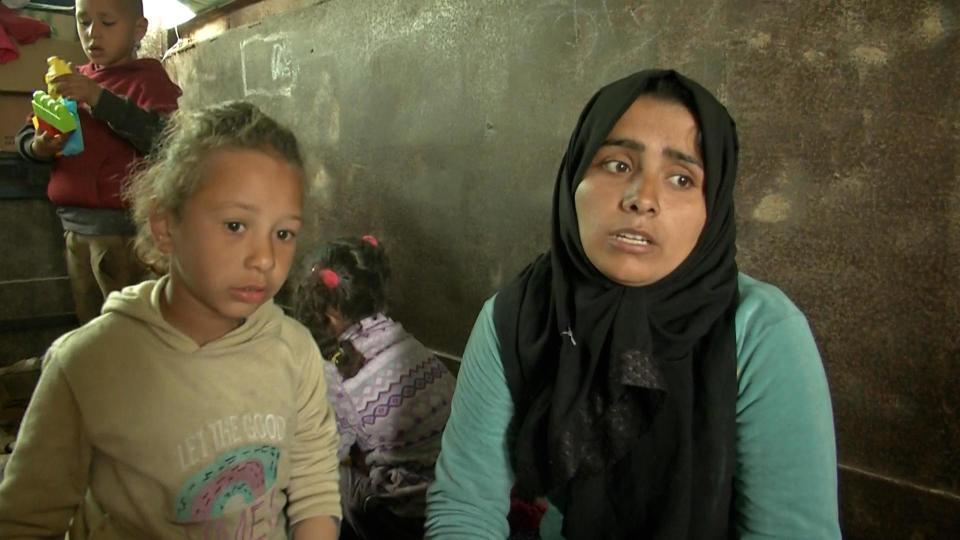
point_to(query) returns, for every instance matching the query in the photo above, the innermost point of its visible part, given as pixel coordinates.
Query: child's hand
(316, 528)
(78, 88)
(45, 145)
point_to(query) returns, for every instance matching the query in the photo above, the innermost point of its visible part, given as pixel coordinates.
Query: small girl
(193, 408)
(391, 394)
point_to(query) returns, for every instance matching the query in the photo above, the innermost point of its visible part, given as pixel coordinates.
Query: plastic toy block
(40, 125)
(55, 67)
(53, 111)
(75, 138)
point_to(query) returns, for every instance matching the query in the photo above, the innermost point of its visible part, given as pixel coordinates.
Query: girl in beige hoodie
(192, 407)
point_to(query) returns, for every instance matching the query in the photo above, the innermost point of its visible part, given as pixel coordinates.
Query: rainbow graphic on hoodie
(246, 472)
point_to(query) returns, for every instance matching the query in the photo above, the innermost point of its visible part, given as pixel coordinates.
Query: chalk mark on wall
(272, 51)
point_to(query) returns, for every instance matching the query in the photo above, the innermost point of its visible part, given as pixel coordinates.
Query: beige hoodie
(234, 439)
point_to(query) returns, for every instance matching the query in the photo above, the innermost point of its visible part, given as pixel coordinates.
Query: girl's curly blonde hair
(173, 172)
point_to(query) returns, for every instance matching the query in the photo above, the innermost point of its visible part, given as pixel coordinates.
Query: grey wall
(439, 125)
(35, 301)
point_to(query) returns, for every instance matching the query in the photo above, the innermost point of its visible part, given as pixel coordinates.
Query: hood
(141, 302)
(144, 81)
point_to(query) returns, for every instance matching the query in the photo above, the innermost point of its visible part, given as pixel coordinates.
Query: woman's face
(640, 206)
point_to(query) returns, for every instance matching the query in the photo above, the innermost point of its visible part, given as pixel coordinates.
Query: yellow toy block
(56, 67)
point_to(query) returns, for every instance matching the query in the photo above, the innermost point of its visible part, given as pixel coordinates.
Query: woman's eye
(234, 226)
(286, 235)
(615, 166)
(682, 181)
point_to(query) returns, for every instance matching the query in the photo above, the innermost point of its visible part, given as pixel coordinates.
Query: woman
(632, 375)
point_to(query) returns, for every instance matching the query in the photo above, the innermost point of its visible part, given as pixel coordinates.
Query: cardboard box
(62, 24)
(14, 110)
(25, 74)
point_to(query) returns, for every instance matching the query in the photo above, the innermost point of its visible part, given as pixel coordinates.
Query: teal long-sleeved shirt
(785, 482)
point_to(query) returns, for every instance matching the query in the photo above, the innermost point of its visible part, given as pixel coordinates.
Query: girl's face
(640, 206)
(232, 247)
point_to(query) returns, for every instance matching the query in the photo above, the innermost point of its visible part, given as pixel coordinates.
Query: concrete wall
(439, 125)
(35, 301)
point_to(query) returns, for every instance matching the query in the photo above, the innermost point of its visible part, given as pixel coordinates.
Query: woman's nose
(641, 195)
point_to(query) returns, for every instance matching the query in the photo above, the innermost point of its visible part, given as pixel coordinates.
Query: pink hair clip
(329, 278)
(369, 238)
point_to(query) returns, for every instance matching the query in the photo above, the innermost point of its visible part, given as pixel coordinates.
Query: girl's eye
(615, 166)
(84, 23)
(286, 234)
(682, 181)
(234, 226)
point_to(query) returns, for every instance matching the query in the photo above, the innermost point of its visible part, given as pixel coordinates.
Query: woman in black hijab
(631, 375)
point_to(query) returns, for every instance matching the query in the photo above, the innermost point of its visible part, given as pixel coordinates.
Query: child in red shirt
(123, 102)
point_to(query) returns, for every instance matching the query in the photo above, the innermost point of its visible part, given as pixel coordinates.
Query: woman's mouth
(633, 239)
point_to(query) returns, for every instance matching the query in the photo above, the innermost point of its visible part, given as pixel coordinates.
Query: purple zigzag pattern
(406, 387)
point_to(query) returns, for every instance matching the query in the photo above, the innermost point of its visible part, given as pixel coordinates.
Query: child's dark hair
(173, 172)
(135, 7)
(347, 275)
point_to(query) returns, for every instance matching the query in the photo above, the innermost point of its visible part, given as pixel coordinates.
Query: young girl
(193, 408)
(390, 393)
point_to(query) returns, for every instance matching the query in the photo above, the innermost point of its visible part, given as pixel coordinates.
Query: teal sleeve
(470, 496)
(785, 484)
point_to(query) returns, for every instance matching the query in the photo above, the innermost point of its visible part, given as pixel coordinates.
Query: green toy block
(53, 112)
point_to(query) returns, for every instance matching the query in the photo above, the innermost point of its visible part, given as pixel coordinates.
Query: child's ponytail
(346, 275)
(348, 278)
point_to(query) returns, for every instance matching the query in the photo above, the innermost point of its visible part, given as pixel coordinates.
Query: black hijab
(625, 396)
